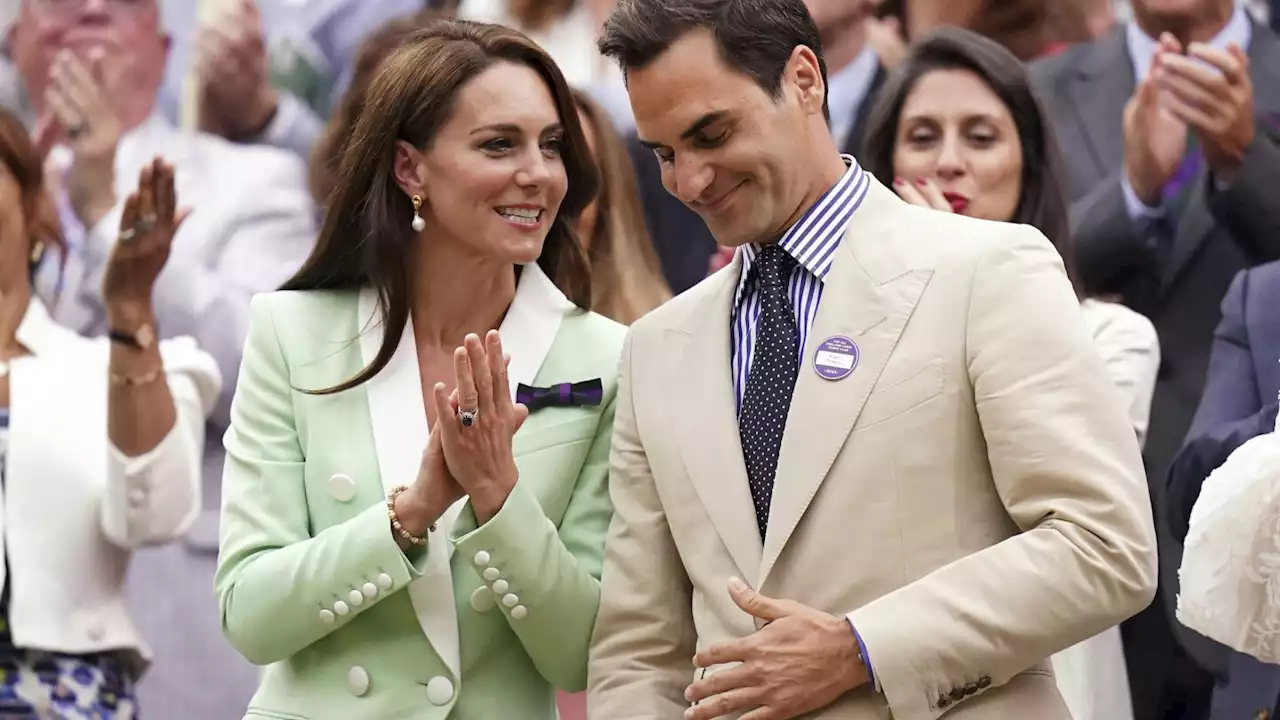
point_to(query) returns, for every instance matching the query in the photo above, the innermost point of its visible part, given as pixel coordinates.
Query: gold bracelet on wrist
(395, 520)
(136, 380)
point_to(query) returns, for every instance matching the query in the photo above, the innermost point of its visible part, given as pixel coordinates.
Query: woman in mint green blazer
(400, 538)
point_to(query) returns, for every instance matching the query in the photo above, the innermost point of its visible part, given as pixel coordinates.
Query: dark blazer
(682, 240)
(1222, 231)
(1240, 395)
(1239, 404)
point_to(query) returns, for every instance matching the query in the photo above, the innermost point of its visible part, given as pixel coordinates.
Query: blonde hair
(625, 277)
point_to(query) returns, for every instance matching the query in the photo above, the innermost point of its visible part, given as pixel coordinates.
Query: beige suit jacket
(971, 496)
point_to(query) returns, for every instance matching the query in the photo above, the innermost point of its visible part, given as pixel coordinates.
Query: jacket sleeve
(547, 579)
(279, 588)
(1066, 465)
(155, 497)
(644, 640)
(1230, 412)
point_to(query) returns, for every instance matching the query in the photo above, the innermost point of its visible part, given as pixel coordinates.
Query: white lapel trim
(400, 433)
(532, 322)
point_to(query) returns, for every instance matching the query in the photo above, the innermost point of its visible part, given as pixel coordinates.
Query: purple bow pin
(588, 392)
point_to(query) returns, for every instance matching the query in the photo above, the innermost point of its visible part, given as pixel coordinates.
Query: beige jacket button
(370, 590)
(491, 574)
(327, 617)
(342, 488)
(500, 586)
(519, 612)
(440, 690)
(341, 608)
(510, 600)
(481, 559)
(385, 582)
(356, 598)
(358, 681)
(482, 600)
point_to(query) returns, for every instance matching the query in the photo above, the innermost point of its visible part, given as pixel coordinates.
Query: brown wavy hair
(365, 239)
(626, 280)
(20, 156)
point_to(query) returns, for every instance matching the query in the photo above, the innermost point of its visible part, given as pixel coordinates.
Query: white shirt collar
(846, 90)
(1142, 47)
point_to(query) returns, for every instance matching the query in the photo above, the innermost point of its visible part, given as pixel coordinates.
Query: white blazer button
(440, 690)
(482, 600)
(370, 590)
(500, 586)
(341, 608)
(384, 581)
(491, 574)
(327, 617)
(482, 558)
(137, 496)
(342, 488)
(510, 600)
(358, 681)
(355, 598)
(96, 632)
(519, 612)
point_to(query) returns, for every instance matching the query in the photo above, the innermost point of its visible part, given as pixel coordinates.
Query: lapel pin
(835, 358)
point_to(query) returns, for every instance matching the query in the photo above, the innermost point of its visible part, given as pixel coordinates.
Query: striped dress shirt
(812, 241)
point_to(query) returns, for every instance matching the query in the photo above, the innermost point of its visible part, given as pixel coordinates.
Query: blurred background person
(684, 245)
(1239, 404)
(100, 450)
(958, 128)
(271, 71)
(625, 279)
(92, 69)
(1172, 162)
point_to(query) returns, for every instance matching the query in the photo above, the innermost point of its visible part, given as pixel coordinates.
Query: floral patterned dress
(39, 685)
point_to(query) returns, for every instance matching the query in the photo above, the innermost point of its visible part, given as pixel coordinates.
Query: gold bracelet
(395, 521)
(136, 380)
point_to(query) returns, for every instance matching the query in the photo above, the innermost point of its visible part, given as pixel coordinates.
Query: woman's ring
(468, 417)
(127, 234)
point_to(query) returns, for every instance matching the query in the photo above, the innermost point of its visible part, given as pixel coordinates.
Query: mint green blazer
(484, 622)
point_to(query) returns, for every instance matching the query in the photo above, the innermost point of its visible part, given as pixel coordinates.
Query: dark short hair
(755, 37)
(1043, 202)
(366, 238)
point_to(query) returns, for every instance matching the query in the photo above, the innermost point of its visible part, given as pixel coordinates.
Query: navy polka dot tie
(774, 364)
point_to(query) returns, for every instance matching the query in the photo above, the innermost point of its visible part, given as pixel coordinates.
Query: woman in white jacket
(100, 444)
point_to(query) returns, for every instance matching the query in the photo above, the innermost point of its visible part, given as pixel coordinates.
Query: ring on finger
(468, 417)
(127, 234)
(146, 223)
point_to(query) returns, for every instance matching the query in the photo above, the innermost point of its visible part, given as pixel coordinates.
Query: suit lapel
(706, 425)
(1099, 91)
(868, 297)
(400, 432)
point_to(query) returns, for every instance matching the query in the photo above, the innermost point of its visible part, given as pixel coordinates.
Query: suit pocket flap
(913, 390)
(540, 437)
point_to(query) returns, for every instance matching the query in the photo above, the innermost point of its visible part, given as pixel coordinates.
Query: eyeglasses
(68, 7)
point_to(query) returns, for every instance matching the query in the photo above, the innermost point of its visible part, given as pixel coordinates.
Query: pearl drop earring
(418, 223)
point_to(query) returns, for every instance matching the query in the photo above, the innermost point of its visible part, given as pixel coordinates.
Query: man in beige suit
(907, 516)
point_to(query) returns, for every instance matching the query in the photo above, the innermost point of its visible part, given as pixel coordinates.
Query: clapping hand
(147, 226)
(1155, 137)
(232, 63)
(80, 114)
(478, 423)
(801, 660)
(1211, 92)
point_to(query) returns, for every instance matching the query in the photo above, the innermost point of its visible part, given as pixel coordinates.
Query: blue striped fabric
(812, 241)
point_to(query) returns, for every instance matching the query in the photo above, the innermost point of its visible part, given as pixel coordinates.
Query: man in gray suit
(1173, 165)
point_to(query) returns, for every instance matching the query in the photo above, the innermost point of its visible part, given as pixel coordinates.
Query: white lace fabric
(1230, 574)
